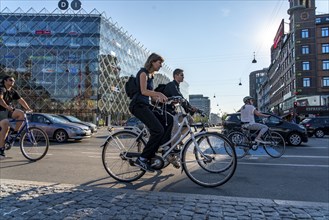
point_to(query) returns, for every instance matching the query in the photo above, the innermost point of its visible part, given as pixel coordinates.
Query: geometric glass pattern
(72, 62)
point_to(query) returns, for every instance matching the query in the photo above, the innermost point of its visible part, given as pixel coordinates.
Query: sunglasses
(11, 80)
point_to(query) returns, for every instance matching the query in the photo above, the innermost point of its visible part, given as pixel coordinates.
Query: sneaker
(173, 160)
(2, 153)
(144, 165)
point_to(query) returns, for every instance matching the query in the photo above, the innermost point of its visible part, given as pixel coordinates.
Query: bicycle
(34, 142)
(243, 142)
(203, 156)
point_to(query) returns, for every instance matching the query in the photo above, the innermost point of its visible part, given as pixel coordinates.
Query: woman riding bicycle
(248, 119)
(159, 123)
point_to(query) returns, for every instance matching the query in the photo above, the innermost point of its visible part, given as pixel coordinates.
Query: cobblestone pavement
(36, 200)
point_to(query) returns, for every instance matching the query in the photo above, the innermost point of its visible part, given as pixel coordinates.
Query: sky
(213, 41)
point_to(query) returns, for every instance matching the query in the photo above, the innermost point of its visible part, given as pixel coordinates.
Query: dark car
(293, 133)
(73, 119)
(318, 126)
(134, 122)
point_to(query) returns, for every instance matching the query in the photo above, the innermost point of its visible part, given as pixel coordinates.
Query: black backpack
(160, 88)
(131, 87)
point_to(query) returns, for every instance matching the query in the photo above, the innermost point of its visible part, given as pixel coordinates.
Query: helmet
(247, 98)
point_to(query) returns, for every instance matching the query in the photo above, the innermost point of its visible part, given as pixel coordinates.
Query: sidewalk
(38, 200)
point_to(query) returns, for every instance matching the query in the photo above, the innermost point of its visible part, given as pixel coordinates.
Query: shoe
(144, 165)
(2, 153)
(173, 160)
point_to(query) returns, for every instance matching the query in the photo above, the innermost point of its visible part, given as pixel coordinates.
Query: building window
(325, 32)
(325, 64)
(305, 50)
(305, 33)
(325, 81)
(325, 48)
(306, 82)
(306, 65)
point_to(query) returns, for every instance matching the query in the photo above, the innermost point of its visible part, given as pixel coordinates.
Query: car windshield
(306, 120)
(73, 119)
(57, 119)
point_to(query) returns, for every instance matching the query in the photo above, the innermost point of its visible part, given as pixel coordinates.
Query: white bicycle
(207, 158)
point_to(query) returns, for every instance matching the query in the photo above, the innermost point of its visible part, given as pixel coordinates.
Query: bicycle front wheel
(275, 144)
(206, 160)
(239, 141)
(120, 151)
(34, 144)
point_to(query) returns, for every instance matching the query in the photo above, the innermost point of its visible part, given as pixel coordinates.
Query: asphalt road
(302, 174)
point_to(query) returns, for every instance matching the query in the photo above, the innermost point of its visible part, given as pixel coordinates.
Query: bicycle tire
(239, 141)
(209, 165)
(34, 144)
(114, 155)
(276, 146)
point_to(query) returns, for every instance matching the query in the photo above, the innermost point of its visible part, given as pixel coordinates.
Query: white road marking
(290, 165)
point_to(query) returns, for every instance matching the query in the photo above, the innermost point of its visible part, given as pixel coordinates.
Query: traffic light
(295, 104)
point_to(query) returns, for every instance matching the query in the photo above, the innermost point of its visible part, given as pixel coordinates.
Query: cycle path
(41, 200)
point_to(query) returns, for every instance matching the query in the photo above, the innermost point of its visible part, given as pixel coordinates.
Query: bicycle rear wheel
(34, 144)
(239, 141)
(275, 144)
(209, 164)
(120, 151)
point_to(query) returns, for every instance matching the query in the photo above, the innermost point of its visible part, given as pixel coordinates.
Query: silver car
(57, 128)
(75, 120)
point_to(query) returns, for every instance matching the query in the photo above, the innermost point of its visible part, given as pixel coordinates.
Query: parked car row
(294, 134)
(59, 128)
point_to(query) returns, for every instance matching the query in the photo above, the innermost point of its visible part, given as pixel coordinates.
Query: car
(318, 126)
(73, 119)
(57, 128)
(294, 134)
(133, 122)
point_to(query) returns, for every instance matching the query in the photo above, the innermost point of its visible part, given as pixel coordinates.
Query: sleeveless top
(142, 98)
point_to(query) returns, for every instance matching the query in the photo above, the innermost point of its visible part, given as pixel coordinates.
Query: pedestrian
(159, 123)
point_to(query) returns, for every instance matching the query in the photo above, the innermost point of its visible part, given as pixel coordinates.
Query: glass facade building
(72, 63)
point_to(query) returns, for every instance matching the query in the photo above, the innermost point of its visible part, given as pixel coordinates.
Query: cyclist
(248, 119)
(7, 95)
(172, 89)
(159, 124)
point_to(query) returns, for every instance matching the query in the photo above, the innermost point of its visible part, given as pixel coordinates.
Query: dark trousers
(159, 125)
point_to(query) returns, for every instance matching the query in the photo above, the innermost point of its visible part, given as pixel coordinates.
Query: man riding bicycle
(248, 119)
(7, 95)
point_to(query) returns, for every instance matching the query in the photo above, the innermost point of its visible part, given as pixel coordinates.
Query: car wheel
(61, 136)
(319, 133)
(295, 139)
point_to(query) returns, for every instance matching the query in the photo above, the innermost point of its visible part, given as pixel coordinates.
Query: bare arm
(4, 104)
(24, 104)
(146, 92)
(260, 114)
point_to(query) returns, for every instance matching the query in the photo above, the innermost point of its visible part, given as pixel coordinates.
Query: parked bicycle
(33, 142)
(207, 158)
(243, 142)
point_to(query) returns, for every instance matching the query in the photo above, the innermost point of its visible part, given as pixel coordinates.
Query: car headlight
(302, 127)
(75, 129)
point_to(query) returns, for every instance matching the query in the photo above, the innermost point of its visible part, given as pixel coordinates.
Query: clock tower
(303, 34)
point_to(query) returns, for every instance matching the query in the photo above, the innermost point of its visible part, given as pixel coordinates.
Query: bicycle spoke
(208, 163)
